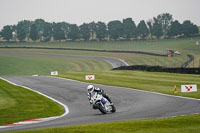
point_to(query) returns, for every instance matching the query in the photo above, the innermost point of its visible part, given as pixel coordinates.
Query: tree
(129, 28)
(40, 24)
(150, 26)
(21, 32)
(26, 26)
(165, 20)
(195, 29)
(92, 27)
(101, 30)
(65, 27)
(189, 28)
(74, 32)
(58, 32)
(34, 33)
(157, 29)
(85, 31)
(175, 29)
(115, 29)
(47, 31)
(6, 32)
(142, 29)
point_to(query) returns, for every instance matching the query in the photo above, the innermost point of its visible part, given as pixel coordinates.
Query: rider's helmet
(90, 88)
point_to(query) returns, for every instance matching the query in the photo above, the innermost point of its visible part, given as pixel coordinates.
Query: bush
(160, 69)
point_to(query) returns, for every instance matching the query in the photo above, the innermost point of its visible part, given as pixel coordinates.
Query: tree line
(162, 26)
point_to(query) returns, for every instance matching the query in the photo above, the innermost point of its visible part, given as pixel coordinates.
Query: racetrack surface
(131, 104)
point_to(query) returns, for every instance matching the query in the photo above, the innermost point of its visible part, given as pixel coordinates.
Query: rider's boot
(106, 96)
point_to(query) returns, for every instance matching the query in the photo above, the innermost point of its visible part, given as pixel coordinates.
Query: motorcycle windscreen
(103, 101)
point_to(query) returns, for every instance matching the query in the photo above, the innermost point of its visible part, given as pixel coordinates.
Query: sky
(80, 11)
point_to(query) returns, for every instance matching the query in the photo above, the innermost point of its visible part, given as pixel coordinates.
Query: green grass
(18, 104)
(154, 46)
(186, 124)
(184, 46)
(13, 57)
(175, 61)
(16, 64)
(149, 81)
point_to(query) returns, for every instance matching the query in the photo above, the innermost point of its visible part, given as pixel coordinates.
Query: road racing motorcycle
(101, 103)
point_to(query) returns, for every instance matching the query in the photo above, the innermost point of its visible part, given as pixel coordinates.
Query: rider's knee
(94, 106)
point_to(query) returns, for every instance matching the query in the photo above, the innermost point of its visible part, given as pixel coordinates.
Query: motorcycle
(101, 103)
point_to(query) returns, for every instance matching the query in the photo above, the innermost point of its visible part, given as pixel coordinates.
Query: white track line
(40, 119)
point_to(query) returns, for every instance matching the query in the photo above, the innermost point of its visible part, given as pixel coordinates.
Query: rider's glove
(91, 101)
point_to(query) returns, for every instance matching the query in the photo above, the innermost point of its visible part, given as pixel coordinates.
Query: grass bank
(49, 60)
(185, 46)
(18, 104)
(155, 46)
(149, 81)
(31, 64)
(186, 124)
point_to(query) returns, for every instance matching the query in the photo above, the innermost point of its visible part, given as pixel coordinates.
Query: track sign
(54, 73)
(188, 88)
(89, 77)
(197, 43)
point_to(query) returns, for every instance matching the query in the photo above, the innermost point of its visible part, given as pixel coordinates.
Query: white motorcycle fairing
(101, 103)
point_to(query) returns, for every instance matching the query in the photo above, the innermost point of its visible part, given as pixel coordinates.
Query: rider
(91, 89)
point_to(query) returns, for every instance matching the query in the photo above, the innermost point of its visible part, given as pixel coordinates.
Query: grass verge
(186, 124)
(184, 46)
(32, 57)
(149, 81)
(18, 104)
(156, 46)
(27, 64)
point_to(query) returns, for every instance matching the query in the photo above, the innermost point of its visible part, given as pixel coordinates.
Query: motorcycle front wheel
(102, 109)
(113, 108)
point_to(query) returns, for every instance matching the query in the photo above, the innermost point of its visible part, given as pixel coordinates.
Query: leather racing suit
(99, 91)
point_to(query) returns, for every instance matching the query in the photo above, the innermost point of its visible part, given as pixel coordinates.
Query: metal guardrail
(191, 58)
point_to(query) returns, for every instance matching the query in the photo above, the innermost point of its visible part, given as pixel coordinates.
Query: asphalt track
(131, 104)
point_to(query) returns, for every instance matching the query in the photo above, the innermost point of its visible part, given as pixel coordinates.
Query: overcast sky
(80, 11)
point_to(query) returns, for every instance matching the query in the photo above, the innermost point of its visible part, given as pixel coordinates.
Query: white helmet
(90, 88)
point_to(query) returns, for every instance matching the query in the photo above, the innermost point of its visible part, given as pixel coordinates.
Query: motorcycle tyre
(102, 110)
(113, 109)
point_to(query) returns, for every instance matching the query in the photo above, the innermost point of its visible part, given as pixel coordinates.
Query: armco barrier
(191, 58)
(160, 69)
